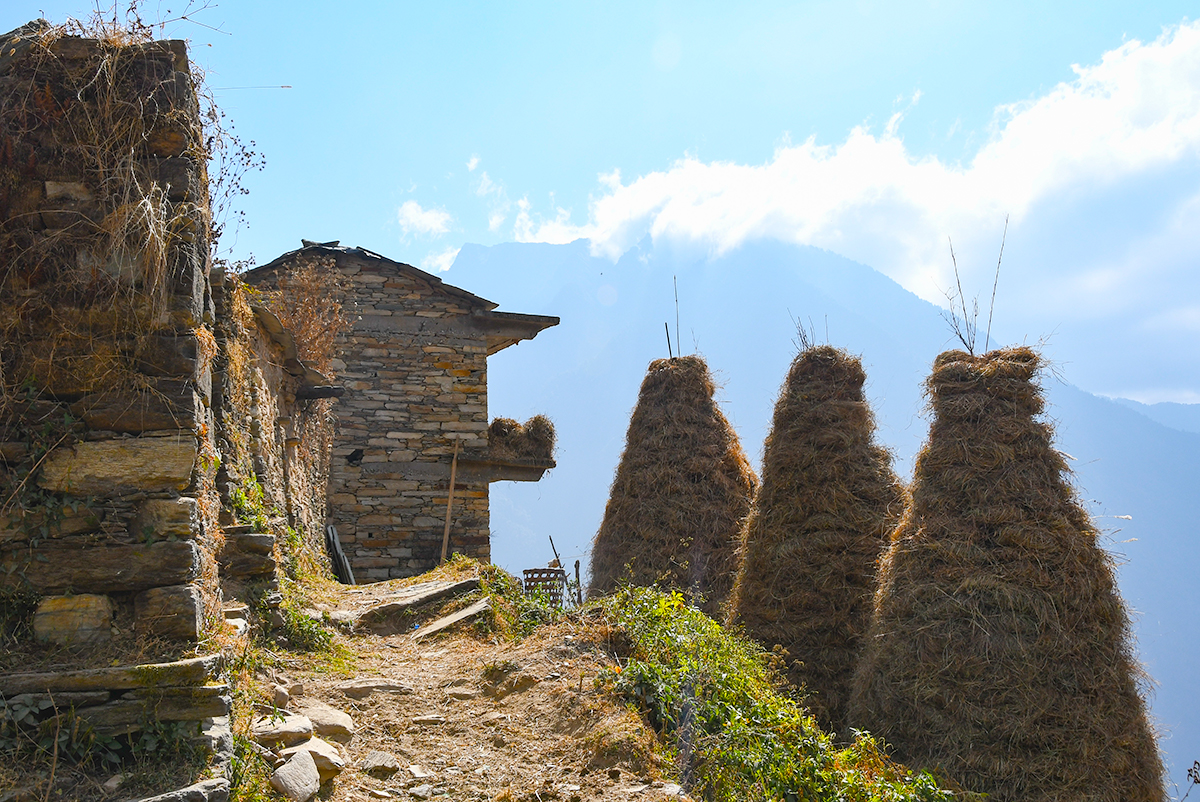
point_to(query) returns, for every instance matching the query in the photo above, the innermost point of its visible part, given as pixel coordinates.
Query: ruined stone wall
(110, 508)
(134, 401)
(272, 444)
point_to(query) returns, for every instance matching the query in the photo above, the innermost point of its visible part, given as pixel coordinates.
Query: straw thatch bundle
(999, 650)
(819, 522)
(681, 491)
(533, 441)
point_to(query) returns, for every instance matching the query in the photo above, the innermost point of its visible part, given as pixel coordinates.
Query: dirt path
(488, 720)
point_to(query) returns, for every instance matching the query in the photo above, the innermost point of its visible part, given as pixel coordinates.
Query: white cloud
(439, 262)
(414, 219)
(486, 186)
(472, 164)
(870, 199)
(499, 204)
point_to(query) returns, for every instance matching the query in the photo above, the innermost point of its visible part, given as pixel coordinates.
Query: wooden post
(450, 501)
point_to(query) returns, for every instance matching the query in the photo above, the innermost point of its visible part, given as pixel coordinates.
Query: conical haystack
(820, 520)
(1000, 651)
(681, 491)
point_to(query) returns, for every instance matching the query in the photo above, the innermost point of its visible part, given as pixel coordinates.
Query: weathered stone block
(105, 467)
(298, 779)
(328, 759)
(171, 612)
(165, 519)
(169, 355)
(73, 620)
(253, 542)
(101, 569)
(127, 714)
(68, 190)
(237, 564)
(327, 721)
(188, 276)
(288, 731)
(167, 141)
(66, 521)
(171, 405)
(193, 671)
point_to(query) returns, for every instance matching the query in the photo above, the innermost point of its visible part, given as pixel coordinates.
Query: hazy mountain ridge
(739, 310)
(1184, 417)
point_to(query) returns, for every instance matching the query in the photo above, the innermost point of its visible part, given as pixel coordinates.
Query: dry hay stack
(820, 520)
(1000, 650)
(681, 491)
(533, 441)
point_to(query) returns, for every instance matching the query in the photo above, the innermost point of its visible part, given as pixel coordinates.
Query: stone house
(414, 369)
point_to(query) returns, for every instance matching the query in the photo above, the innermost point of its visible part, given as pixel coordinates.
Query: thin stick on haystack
(827, 504)
(681, 491)
(999, 651)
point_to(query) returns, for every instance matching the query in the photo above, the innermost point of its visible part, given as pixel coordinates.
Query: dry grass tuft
(999, 652)
(681, 491)
(310, 302)
(532, 441)
(820, 520)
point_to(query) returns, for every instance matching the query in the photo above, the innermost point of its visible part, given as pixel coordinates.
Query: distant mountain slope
(738, 310)
(1184, 417)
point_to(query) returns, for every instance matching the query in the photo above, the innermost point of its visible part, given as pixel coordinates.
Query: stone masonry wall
(132, 402)
(108, 451)
(415, 373)
(270, 442)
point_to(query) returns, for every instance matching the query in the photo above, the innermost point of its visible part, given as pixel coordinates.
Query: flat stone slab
(446, 621)
(130, 713)
(216, 790)
(380, 764)
(103, 467)
(325, 755)
(288, 731)
(385, 616)
(362, 688)
(163, 519)
(193, 671)
(101, 569)
(328, 721)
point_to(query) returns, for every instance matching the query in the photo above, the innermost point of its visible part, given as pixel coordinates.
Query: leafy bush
(714, 697)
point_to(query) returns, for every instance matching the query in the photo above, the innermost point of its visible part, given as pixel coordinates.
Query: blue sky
(875, 130)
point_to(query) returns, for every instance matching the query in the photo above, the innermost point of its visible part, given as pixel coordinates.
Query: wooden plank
(445, 621)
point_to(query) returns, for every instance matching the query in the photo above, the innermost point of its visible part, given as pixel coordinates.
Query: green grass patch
(717, 701)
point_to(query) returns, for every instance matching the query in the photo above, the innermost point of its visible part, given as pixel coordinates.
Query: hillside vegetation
(637, 693)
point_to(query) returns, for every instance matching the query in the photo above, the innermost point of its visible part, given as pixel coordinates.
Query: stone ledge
(105, 467)
(193, 671)
(101, 569)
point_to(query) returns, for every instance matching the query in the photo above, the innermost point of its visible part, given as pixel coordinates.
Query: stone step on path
(447, 621)
(388, 618)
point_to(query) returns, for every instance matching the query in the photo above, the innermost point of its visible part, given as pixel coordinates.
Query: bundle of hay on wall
(681, 491)
(999, 651)
(534, 441)
(820, 520)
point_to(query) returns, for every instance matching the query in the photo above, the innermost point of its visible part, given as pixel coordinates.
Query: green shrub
(714, 697)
